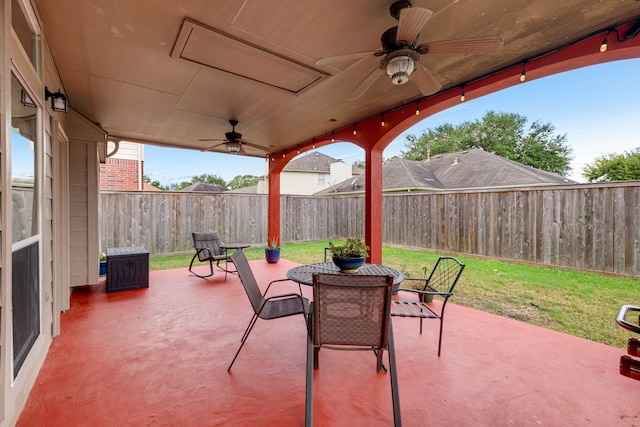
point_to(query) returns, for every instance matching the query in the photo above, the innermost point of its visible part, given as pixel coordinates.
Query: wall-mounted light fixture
(58, 100)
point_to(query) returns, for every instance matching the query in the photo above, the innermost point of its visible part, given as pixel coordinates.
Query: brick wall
(120, 174)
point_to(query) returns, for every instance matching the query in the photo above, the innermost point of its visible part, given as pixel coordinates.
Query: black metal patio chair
(440, 283)
(208, 249)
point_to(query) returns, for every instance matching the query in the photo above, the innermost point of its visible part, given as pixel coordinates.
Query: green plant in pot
(103, 264)
(272, 251)
(349, 256)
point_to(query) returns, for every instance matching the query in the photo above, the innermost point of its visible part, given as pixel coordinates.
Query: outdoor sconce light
(58, 100)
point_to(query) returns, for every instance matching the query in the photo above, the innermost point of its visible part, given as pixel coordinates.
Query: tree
(614, 167)
(206, 178)
(155, 183)
(174, 186)
(501, 133)
(360, 164)
(242, 181)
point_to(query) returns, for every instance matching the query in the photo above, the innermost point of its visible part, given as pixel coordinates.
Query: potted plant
(103, 264)
(272, 251)
(350, 256)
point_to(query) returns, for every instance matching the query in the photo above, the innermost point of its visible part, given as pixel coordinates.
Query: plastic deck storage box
(127, 268)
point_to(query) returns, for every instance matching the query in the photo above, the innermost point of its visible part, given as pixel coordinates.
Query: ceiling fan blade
(479, 45)
(248, 144)
(212, 147)
(211, 139)
(425, 81)
(341, 58)
(411, 22)
(365, 85)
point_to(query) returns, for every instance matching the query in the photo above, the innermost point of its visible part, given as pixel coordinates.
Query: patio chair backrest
(210, 241)
(351, 310)
(445, 275)
(248, 280)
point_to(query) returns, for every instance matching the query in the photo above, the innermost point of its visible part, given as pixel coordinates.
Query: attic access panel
(216, 49)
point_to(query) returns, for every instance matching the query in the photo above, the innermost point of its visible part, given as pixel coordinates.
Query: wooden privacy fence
(587, 226)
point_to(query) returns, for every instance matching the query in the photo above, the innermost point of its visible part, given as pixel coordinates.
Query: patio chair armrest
(305, 307)
(275, 281)
(417, 279)
(201, 250)
(415, 291)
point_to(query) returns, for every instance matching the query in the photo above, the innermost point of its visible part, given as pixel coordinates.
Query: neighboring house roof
(314, 161)
(211, 188)
(474, 168)
(148, 187)
(245, 190)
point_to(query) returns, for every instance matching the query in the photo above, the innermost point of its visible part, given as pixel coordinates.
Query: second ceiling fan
(233, 141)
(401, 52)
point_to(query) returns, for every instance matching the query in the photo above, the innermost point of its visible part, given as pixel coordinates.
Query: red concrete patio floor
(158, 357)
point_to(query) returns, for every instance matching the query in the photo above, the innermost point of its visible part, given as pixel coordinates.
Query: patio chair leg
(395, 393)
(440, 337)
(308, 415)
(199, 275)
(244, 339)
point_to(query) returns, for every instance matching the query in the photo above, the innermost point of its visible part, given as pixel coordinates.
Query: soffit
(254, 60)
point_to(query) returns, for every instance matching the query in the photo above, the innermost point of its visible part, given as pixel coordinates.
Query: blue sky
(596, 107)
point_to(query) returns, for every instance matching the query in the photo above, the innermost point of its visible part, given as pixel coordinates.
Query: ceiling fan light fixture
(233, 147)
(399, 65)
(399, 69)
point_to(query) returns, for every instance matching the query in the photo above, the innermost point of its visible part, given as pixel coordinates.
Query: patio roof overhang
(174, 75)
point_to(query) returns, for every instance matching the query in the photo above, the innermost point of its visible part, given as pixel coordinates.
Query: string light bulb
(333, 138)
(417, 109)
(355, 131)
(382, 121)
(523, 74)
(298, 149)
(313, 143)
(462, 97)
(603, 45)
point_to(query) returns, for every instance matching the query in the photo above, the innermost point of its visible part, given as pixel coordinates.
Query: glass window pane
(24, 117)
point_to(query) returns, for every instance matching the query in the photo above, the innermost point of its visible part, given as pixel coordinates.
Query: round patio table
(303, 274)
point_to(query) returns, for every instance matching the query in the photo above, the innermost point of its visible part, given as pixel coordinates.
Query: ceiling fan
(401, 52)
(233, 141)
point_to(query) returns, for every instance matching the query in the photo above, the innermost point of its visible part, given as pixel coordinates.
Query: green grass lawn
(577, 303)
